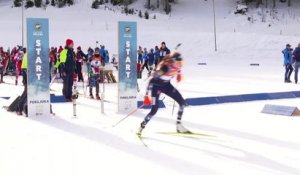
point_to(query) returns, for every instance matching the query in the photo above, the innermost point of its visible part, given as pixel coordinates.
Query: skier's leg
(172, 92)
(91, 92)
(79, 70)
(286, 73)
(66, 86)
(291, 69)
(155, 102)
(156, 62)
(69, 86)
(143, 67)
(147, 67)
(296, 72)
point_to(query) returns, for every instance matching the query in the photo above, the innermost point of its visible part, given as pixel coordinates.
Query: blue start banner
(38, 94)
(127, 98)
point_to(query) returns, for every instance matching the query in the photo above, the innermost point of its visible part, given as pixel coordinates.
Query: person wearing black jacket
(296, 55)
(80, 57)
(164, 51)
(68, 64)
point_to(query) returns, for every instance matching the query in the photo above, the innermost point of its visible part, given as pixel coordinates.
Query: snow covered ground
(238, 138)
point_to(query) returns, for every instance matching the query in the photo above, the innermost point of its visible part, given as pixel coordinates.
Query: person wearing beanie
(163, 51)
(160, 82)
(68, 64)
(69, 42)
(80, 56)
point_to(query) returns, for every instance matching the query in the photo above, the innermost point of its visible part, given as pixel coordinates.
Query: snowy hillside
(191, 23)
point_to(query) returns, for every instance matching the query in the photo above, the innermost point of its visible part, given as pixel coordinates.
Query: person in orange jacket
(168, 68)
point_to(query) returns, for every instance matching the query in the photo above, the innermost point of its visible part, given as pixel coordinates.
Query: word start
(127, 60)
(38, 60)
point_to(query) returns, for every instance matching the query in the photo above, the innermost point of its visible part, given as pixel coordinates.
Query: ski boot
(139, 133)
(181, 129)
(91, 96)
(98, 97)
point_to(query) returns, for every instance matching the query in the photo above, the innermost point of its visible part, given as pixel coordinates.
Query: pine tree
(167, 6)
(146, 15)
(47, 2)
(95, 4)
(70, 2)
(61, 3)
(53, 3)
(29, 4)
(17, 3)
(126, 10)
(148, 4)
(38, 3)
(140, 14)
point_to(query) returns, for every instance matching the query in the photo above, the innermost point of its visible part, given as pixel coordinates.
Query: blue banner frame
(127, 94)
(38, 73)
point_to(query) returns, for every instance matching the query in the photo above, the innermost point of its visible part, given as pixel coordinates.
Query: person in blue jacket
(287, 54)
(146, 60)
(156, 56)
(106, 56)
(140, 55)
(296, 55)
(103, 53)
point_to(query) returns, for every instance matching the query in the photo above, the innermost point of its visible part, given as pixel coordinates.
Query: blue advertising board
(38, 93)
(127, 95)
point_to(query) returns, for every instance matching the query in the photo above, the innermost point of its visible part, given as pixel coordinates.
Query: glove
(147, 101)
(179, 78)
